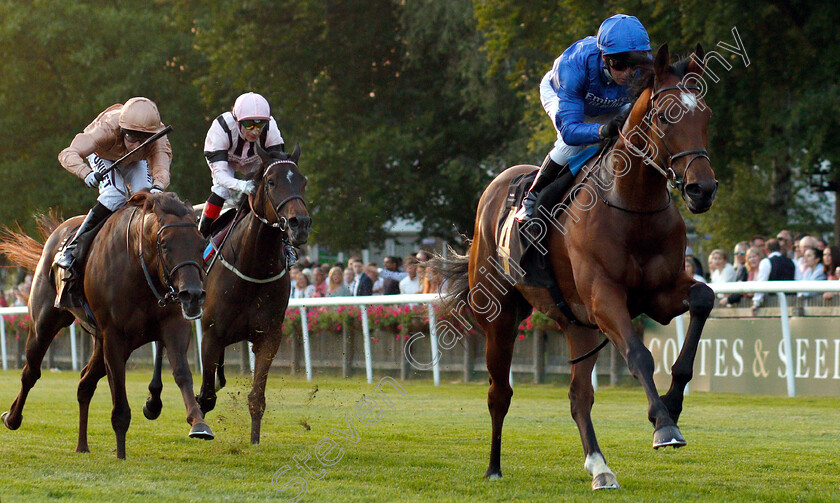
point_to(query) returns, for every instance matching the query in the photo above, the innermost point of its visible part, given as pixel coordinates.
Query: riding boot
(66, 256)
(212, 209)
(548, 172)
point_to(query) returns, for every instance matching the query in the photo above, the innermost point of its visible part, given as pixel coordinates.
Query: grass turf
(431, 445)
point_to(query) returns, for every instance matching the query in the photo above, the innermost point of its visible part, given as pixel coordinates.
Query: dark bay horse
(248, 292)
(616, 252)
(142, 280)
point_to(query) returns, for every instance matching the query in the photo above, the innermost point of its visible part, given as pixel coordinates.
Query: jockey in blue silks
(585, 94)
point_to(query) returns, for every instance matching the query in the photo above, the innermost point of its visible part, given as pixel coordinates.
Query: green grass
(431, 446)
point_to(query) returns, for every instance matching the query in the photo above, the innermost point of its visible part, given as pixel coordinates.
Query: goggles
(136, 136)
(250, 124)
(618, 65)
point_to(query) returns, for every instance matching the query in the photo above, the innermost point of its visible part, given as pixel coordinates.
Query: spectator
(391, 269)
(753, 259)
(373, 273)
(362, 284)
(773, 268)
(304, 289)
(293, 274)
(813, 269)
(432, 281)
(349, 278)
(786, 243)
(739, 257)
(831, 258)
(691, 270)
(805, 243)
(337, 288)
(720, 271)
(759, 241)
(698, 266)
(319, 277)
(411, 283)
(423, 256)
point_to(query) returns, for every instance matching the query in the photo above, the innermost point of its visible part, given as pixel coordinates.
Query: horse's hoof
(10, 425)
(605, 481)
(202, 431)
(151, 413)
(668, 436)
(493, 475)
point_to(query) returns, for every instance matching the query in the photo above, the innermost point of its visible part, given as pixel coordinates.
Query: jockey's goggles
(136, 136)
(250, 124)
(618, 64)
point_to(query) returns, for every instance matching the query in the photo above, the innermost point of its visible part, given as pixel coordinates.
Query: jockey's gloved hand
(93, 178)
(611, 128)
(246, 186)
(155, 189)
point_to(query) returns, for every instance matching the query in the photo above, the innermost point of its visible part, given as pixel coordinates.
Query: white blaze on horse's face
(289, 175)
(689, 100)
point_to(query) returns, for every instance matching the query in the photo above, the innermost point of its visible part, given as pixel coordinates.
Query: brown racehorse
(149, 246)
(249, 290)
(617, 255)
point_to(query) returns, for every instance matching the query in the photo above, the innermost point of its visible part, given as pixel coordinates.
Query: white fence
(778, 287)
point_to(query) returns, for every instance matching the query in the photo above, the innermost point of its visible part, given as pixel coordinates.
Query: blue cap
(622, 33)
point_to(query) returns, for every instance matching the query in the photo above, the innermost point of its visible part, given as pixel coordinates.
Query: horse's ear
(139, 198)
(262, 153)
(296, 153)
(662, 60)
(697, 63)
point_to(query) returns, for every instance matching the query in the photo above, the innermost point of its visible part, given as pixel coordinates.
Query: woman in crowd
(320, 285)
(720, 271)
(754, 256)
(337, 288)
(691, 270)
(831, 266)
(812, 269)
(304, 289)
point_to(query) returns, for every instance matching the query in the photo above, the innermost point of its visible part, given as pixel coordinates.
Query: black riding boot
(547, 174)
(212, 208)
(66, 256)
(204, 225)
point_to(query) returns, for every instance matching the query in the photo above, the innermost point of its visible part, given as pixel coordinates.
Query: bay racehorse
(248, 286)
(142, 281)
(616, 252)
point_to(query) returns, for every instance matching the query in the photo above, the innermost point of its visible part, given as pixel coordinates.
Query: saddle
(218, 231)
(522, 247)
(69, 284)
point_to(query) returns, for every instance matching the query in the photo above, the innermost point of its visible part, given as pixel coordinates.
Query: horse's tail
(22, 249)
(455, 280)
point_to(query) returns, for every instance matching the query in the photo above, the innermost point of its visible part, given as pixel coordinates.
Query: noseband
(171, 296)
(281, 222)
(668, 172)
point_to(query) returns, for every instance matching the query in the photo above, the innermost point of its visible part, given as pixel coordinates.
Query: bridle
(171, 296)
(668, 172)
(281, 222)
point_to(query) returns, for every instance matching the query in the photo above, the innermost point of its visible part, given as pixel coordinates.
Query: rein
(281, 224)
(171, 296)
(668, 172)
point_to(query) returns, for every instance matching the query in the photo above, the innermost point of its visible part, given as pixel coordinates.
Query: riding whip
(100, 175)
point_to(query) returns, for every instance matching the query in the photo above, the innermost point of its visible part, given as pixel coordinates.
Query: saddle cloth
(519, 243)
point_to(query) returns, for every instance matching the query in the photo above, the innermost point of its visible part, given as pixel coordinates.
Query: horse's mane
(165, 202)
(644, 79)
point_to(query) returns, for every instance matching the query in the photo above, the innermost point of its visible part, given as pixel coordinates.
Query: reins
(281, 224)
(171, 296)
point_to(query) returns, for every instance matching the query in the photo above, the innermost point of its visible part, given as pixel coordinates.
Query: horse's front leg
(701, 300)
(582, 397)
(115, 355)
(175, 335)
(265, 348)
(153, 405)
(212, 354)
(610, 310)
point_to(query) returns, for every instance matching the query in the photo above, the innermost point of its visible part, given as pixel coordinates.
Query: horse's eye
(270, 182)
(663, 118)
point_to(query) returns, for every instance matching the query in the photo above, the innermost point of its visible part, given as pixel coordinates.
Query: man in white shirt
(775, 267)
(411, 283)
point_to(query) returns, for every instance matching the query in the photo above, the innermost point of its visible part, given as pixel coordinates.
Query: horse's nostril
(694, 190)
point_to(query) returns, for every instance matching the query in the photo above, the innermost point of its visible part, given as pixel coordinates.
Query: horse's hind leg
(500, 338)
(115, 355)
(91, 374)
(701, 301)
(153, 405)
(47, 322)
(265, 349)
(581, 398)
(177, 339)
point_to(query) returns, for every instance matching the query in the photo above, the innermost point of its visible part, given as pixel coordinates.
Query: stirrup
(526, 211)
(64, 258)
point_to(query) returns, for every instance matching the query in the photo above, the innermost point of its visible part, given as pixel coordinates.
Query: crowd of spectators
(396, 276)
(17, 295)
(783, 258)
